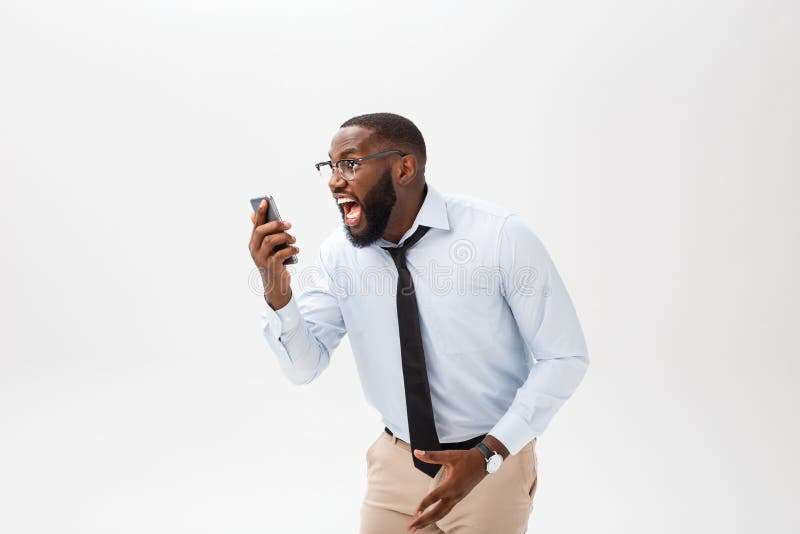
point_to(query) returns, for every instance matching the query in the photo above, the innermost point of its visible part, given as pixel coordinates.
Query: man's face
(372, 191)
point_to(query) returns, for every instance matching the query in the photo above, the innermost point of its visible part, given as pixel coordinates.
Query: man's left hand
(463, 471)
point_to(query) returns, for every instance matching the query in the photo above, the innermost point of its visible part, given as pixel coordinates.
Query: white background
(652, 146)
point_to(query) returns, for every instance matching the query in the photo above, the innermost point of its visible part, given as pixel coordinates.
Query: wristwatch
(493, 459)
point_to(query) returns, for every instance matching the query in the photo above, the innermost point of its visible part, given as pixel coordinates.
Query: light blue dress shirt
(503, 345)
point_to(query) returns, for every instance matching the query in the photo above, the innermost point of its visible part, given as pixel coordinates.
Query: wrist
(492, 459)
(277, 302)
(497, 446)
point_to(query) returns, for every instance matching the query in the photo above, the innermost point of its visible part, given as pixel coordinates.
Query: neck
(403, 215)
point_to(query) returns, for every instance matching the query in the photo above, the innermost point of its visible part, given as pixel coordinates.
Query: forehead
(350, 140)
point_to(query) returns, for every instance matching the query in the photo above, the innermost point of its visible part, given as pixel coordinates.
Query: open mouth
(351, 209)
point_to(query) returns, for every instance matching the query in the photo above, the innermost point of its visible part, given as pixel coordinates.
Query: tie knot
(395, 252)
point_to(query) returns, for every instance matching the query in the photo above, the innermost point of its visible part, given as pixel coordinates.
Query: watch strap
(485, 450)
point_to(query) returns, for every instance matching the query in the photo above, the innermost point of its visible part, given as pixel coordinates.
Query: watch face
(494, 463)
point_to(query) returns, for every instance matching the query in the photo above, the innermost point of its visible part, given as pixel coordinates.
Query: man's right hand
(263, 240)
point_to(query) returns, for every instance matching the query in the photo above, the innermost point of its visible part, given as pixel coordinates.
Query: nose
(336, 181)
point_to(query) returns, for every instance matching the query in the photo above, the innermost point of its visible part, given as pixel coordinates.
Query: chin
(362, 236)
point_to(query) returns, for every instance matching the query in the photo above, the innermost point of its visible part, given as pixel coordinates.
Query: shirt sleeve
(304, 333)
(549, 325)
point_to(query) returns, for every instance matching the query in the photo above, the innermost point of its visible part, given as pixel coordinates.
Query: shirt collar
(433, 213)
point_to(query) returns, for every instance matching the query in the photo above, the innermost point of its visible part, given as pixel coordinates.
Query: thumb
(431, 457)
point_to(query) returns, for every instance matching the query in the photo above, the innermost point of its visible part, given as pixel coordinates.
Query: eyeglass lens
(344, 167)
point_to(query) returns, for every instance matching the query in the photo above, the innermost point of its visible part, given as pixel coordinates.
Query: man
(445, 299)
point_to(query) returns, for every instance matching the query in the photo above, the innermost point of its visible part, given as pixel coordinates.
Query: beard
(376, 208)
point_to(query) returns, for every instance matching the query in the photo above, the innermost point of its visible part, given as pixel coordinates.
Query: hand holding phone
(271, 248)
(272, 215)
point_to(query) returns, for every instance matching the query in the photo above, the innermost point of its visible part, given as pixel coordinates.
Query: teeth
(344, 200)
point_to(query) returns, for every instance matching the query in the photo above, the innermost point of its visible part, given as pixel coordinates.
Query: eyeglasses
(347, 167)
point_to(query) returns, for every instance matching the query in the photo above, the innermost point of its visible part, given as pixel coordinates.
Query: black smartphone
(273, 215)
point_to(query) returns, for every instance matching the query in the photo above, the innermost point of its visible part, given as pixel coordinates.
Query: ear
(406, 169)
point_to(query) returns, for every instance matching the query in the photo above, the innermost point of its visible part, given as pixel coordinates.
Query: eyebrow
(344, 153)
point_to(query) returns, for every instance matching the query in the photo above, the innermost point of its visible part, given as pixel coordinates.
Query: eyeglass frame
(354, 162)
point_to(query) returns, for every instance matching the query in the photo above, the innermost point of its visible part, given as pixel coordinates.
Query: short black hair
(393, 129)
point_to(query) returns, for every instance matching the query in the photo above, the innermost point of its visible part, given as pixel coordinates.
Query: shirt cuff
(289, 316)
(274, 332)
(513, 432)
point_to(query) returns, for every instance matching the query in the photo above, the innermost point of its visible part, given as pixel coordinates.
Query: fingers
(271, 241)
(430, 498)
(261, 215)
(284, 254)
(262, 230)
(459, 479)
(432, 457)
(441, 509)
(272, 227)
(258, 218)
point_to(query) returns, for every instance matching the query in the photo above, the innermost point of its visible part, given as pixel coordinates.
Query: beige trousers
(500, 504)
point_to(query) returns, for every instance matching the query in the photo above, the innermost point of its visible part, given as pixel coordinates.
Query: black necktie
(415, 374)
